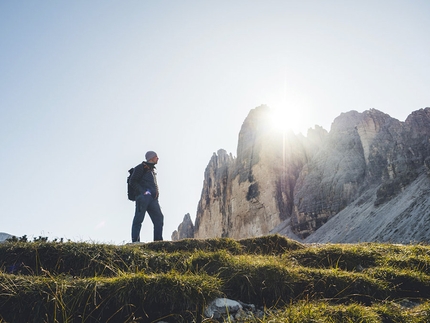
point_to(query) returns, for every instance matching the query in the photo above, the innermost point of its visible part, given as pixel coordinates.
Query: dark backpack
(131, 192)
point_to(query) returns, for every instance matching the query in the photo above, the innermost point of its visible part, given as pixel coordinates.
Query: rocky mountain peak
(185, 229)
(4, 236)
(302, 186)
(418, 122)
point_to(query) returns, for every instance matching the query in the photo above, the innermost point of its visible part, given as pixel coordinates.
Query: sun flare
(289, 119)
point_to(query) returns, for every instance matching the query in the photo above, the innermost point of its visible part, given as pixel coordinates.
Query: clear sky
(87, 87)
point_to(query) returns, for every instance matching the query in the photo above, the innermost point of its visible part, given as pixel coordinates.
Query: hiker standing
(144, 181)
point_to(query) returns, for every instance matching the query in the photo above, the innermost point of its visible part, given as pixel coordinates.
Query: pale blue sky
(87, 87)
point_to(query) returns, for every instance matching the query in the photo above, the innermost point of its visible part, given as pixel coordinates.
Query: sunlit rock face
(325, 186)
(251, 194)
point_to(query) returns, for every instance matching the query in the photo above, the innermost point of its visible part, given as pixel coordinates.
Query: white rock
(222, 306)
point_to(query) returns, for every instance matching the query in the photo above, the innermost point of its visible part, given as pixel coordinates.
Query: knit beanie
(150, 154)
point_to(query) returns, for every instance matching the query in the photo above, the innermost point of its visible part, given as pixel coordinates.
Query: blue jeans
(146, 203)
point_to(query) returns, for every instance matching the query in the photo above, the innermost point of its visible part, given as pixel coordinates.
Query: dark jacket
(144, 179)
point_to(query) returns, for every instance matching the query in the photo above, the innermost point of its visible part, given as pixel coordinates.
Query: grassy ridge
(82, 282)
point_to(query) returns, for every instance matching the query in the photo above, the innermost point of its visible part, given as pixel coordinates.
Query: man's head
(151, 157)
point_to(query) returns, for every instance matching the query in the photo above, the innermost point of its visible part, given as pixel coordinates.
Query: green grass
(44, 281)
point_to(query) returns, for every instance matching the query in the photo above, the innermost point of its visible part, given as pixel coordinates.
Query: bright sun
(289, 119)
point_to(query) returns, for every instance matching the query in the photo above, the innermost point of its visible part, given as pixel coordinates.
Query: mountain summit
(368, 179)
(4, 236)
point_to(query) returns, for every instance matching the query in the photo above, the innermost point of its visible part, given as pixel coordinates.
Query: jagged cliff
(185, 229)
(253, 192)
(302, 186)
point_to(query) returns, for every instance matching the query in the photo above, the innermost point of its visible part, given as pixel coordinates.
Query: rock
(221, 307)
(368, 156)
(249, 195)
(215, 197)
(185, 229)
(367, 179)
(4, 236)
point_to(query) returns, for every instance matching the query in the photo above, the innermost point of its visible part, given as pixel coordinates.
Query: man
(144, 181)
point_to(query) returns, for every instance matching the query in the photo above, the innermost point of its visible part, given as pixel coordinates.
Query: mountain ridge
(4, 236)
(325, 187)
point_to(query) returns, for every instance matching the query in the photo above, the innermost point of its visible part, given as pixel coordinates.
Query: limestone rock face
(369, 171)
(251, 194)
(334, 175)
(363, 150)
(185, 229)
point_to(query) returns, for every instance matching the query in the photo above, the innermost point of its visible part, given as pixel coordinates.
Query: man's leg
(139, 215)
(157, 218)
